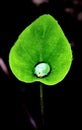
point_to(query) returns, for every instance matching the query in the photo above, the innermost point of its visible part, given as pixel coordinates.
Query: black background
(62, 102)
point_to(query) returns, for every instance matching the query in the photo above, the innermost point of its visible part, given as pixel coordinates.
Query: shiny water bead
(41, 70)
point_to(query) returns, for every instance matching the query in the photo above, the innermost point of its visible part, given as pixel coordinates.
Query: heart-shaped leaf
(43, 41)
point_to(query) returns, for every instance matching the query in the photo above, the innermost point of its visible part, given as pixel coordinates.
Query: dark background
(62, 102)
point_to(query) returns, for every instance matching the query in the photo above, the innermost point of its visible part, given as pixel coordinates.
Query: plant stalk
(42, 104)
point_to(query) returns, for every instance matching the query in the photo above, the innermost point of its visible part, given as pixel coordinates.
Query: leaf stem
(41, 103)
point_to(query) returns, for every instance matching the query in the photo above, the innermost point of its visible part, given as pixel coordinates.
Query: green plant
(42, 53)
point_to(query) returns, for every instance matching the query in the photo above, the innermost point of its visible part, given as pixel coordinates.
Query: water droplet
(41, 70)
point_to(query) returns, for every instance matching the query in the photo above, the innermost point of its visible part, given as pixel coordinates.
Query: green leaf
(42, 41)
